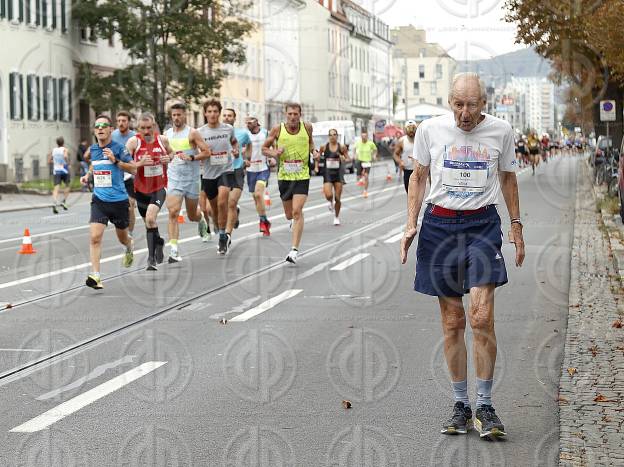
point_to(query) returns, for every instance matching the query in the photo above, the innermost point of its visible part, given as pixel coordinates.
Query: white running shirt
(464, 165)
(258, 160)
(407, 156)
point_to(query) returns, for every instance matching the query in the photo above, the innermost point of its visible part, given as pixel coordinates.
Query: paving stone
(585, 438)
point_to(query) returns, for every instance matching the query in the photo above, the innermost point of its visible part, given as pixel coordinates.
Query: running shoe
(223, 244)
(174, 257)
(237, 223)
(202, 228)
(336, 221)
(206, 238)
(266, 229)
(151, 264)
(159, 254)
(365, 194)
(128, 257)
(460, 422)
(64, 205)
(487, 422)
(229, 241)
(55, 209)
(261, 226)
(292, 256)
(95, 282)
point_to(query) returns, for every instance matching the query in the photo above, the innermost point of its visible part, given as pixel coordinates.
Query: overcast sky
(467, 29)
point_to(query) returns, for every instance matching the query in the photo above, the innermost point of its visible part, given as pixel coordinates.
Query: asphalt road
(145, 373)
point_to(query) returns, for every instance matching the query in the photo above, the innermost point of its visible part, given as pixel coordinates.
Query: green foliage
(176, 49)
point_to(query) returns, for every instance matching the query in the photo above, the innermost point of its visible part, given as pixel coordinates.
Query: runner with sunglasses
(109, 161)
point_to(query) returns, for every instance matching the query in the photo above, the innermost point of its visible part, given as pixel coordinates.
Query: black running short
(406, 176)
(115, 212)
(58, 178)
(130, 187)
(239, 178)
(145, 199)
(290, 188)
(332, 176)
(210, 186)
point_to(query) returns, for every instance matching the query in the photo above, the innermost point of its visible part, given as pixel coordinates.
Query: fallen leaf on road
(617, 323)
(8, 305)
(562, 400)
(346, 404)
(223, 321)
(594, 350)
(571, 371)
(606, 419)
(601, 398)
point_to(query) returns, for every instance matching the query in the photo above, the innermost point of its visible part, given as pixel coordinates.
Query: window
(421, 71)
(439, 73)
(64, 100)
(439, 101)
(416, 88)
(3, 8)
(33, 12)
(35, 167)
(16, 87)
(33, 92)
(422, 100)
(63, 16)
(15, 10)
(434, 87)
(49, 99)
(423, 52)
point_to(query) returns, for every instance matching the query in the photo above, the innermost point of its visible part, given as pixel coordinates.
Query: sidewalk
(11, 202)
(591, 389)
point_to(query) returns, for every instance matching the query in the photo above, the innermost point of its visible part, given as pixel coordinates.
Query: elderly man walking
(471, 158)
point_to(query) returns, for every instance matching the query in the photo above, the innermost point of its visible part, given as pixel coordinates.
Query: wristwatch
(116, 161)
(192, 156)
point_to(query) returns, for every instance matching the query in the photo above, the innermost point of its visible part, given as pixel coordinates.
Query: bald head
(467, 99)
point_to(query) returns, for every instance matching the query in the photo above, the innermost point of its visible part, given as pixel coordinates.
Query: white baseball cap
(410, 123)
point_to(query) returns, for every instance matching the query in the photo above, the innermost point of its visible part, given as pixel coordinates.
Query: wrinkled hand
(272, 162)
(279, 151)
(406, 242)
(84, 180)
(516, 237)
(247, 163)
(165, 159)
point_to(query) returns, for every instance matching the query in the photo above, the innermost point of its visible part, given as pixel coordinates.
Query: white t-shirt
(464, 165)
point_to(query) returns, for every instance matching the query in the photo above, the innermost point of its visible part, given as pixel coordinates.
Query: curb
(26, 208)
(617, 247)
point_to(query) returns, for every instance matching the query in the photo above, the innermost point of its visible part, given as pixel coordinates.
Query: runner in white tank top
(59, 158)
(404, 150)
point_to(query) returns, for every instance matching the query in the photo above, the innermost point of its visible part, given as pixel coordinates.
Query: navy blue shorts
(455, 254)
(253, 177)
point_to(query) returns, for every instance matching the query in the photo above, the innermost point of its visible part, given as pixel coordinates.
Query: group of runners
(204, 170)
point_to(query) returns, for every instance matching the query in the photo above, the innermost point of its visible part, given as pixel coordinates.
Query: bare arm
(509, 187)
(415, 196)
(247, 151)
(200, 145)
(234, 143)
(398, 150)
(268, 148)
(165, 142)
(344, 152)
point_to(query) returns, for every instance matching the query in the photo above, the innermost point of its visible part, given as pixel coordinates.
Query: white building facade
(423, 72)
(38, 98)
(539, 95)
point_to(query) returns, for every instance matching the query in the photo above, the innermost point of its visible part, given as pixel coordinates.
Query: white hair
(146, 116)
(467, 76)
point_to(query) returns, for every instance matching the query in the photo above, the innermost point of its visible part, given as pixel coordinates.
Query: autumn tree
(176, 49)
(583, 40)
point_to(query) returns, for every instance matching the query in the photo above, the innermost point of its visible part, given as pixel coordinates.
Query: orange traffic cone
(267, 198)
(389, 177)
(181, 218)
(27, 247)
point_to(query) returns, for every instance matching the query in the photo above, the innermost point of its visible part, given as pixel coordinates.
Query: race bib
(102, 178)
(292, 167)
(469, 176)
(153, 170)
(332, 163)
(257, 166)
(366, 165)
(219, 158)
